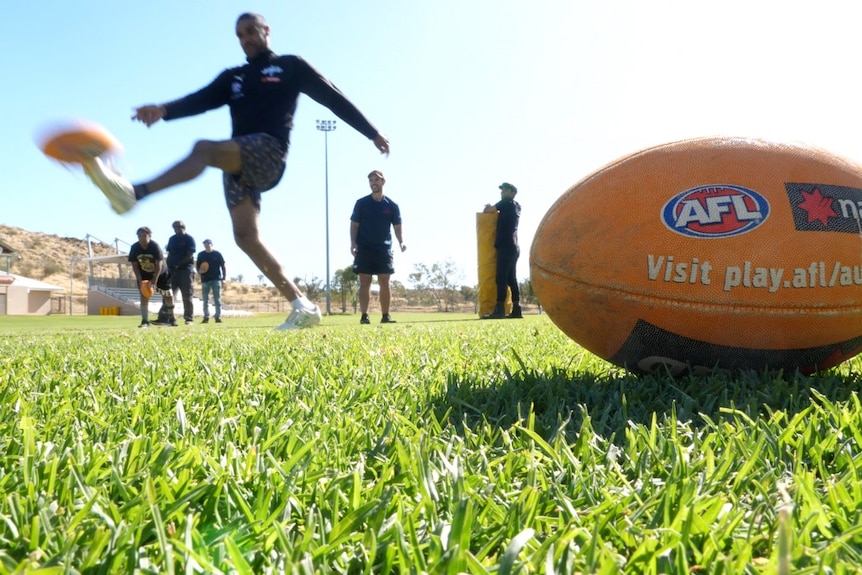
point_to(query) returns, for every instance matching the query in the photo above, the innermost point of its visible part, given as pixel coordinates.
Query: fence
(59, 304)
(103, 284)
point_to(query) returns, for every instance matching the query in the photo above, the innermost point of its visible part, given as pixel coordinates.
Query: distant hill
(47, 257)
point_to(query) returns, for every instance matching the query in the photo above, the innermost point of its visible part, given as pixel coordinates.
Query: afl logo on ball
(715, 211)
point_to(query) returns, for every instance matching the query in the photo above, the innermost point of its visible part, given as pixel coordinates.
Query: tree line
(437, 285)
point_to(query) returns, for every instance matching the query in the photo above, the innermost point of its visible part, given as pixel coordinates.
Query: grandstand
(120, 294)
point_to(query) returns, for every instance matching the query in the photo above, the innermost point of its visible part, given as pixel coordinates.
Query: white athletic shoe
(116, 188)
(301, 318)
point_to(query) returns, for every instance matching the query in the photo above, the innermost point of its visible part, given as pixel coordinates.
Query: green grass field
(440, 444)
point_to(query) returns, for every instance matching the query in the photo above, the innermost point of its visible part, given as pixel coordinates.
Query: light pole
(326, 126)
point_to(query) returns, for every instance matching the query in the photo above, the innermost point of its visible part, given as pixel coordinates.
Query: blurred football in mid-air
(76, 141)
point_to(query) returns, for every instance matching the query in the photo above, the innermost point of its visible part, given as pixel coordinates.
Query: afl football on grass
(72, 142)
(711, 253)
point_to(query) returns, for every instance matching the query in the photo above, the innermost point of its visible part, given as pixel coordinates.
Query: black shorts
(373, 262)
(263, 163)
(164, 282)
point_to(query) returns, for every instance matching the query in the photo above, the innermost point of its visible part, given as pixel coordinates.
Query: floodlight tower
(326, 126)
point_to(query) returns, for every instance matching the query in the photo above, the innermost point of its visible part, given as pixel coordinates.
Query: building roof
(6, 248)
(29, 283)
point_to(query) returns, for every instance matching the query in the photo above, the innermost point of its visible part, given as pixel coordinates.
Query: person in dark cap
(210, 266)
(508, 251)
(180, 260)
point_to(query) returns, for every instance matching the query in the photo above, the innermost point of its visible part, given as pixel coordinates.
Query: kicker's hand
(149, 114)
(381, 142)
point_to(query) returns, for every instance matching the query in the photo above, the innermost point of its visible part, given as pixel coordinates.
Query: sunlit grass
(435, 447)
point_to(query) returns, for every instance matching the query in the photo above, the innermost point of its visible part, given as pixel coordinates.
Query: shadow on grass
(613, 399)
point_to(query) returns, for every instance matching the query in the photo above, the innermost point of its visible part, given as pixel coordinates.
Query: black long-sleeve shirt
(507, 224)
(262, 97)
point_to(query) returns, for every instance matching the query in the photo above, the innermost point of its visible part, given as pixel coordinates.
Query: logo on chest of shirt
(147, 263)
(271, 74)
(236, 87)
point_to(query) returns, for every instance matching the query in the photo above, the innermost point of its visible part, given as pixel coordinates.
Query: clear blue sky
(471, 94)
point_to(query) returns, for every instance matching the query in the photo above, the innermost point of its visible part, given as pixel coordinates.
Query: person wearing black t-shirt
(210, 265)
(181, 258)
(147, 262)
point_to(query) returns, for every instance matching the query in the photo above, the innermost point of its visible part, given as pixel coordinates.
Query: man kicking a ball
(262, 97)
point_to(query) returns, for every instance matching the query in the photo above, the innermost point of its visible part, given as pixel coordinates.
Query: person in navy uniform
(180, 261)
(371, 244)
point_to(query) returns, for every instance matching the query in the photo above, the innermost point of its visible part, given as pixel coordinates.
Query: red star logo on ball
(819, 208)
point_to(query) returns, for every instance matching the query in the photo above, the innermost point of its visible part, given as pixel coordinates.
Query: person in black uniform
(371, 244)
(508, 251)
(147, 262)
(262, 97)
(181, 258)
